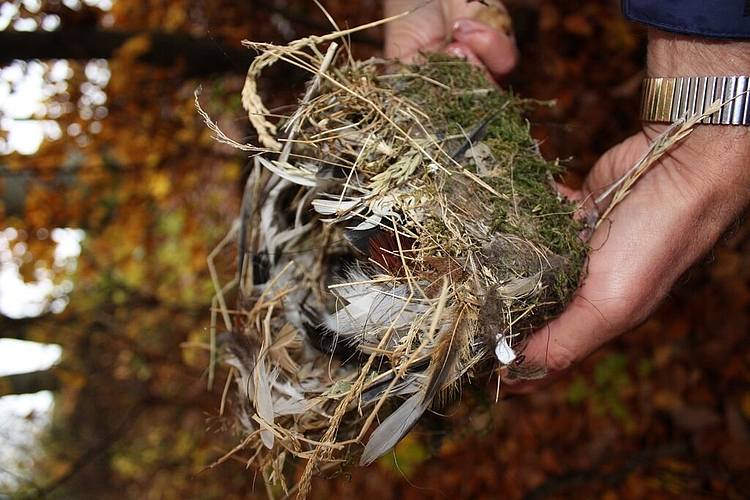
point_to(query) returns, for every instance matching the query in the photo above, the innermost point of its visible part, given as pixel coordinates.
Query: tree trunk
(29, 383)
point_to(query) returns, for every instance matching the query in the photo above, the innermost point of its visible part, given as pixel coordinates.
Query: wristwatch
(669, 99)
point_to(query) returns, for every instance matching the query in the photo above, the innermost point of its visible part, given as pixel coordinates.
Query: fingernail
(464, 28)
(455, 50)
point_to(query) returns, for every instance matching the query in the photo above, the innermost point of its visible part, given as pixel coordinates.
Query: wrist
(672, 55)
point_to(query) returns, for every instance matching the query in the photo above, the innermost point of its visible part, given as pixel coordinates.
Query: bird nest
(400, 236)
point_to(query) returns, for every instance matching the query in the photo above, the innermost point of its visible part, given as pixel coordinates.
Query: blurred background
(112, 193)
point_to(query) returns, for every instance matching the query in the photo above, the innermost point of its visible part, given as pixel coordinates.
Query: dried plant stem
(252, 102)
(673, 135)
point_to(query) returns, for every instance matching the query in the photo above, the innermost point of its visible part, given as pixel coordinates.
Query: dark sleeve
(704, 18)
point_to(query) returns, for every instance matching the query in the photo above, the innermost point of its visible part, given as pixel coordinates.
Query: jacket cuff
(721, 19)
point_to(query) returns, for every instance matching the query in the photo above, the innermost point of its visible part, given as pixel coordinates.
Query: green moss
(458, 97)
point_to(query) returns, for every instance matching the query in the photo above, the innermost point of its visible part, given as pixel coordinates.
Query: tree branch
(201, 56)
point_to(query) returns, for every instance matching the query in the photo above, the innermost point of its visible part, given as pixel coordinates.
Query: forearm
(702, 185)
(674, 214)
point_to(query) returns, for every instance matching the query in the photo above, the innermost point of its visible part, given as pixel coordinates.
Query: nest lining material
(400, 236)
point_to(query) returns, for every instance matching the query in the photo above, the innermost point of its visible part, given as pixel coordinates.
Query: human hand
(673, 216)
(451, 26)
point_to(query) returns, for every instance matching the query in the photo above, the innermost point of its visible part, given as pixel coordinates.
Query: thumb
(617, 161)
(494, 48)
(612, 284)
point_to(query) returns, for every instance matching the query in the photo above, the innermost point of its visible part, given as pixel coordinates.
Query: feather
(335, 207)
(520, 287)
(373, 307)
(271, 221)
(504, 352)
(393, 429)
(290, 401)
(400, 422)
(382, 244)
(263, 401)
(452, 346)
(333, 171)
(475, 135)
(359, 236)
(292, 173)
(371, 221)
(409, 384)
(279, 353)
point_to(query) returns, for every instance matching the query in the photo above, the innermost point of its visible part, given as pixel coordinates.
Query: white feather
(292, 173)
(369, 222)
(504, 352)
(335, 207)
(289, 401)
(371, 307)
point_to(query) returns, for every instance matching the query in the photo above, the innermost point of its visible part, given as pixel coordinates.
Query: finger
(464, 52)
(423, 30)
(495, 49)
(562, 343)
(491, 12)
(569, 192)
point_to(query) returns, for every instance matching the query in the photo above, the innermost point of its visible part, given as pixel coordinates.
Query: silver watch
(669, 99)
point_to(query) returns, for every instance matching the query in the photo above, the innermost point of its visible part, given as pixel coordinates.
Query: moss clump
(523, 201)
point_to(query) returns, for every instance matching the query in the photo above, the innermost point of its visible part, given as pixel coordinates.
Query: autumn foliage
(662, 413)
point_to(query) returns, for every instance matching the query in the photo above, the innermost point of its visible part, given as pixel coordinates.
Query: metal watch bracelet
(669, 99)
